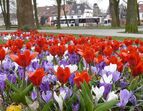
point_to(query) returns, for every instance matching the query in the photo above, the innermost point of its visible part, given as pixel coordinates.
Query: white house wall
(141, 16)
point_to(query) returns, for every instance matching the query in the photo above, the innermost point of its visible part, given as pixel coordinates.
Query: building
(141, 12)
(122, 13)
(80, 11)
(73, 11)
(96, 10)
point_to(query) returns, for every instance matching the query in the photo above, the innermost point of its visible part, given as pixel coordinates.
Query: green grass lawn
(1, 41)
(79, 27)
(114, 37)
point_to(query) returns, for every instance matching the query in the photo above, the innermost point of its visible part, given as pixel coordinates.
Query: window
(78, 6)
(79, 11)
(78, 16)
(73, 11)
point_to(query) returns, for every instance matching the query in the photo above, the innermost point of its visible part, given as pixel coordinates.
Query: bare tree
(5, 8)
(59, 13)
(65, 13)
(35, 13)
(114, 10)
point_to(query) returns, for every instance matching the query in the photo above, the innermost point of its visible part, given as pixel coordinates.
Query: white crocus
(98, 92)
(16, 66)
(6, 49)
(33, 48)
(106, 79)
(8, 37)
(50, 58)
(112, 96)
(56, 67)
(111, 68)
(34, 106)
(59, 99)
(72, 68)
(35, 60)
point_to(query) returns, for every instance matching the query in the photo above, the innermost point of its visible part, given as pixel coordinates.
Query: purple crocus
(7, 65)
(123, 84)
(124, 98)
(34, 95)
(98, 68)
(47, 96)
(35, 65)
(71, 79)
(108, 88)
(48, 67)
(3, 77)
(21, 72)
(66, 91)
(44, 85)
(12, 78)
(133, 99)
(116, 76)
(75, 107)
(73, 58)
(63, 62)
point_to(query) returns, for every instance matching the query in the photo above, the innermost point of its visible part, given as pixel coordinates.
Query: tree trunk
(36, 14)
(59, 14)
(25, 14)
(5, 12)
(138, 13)
(8, 15)
(64, 10)
(114, 10)
(131, 20)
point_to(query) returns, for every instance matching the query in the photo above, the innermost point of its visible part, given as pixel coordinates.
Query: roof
(141, 8)
(78, 9)
(46, 10)
(52, 10)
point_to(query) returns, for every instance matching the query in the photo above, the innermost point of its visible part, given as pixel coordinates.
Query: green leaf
(48, 106)
(86, 97)
(19, 97)
(134, 84)
(68, 103)
(27, 89)
(82, 104)
(80, 66)
(87, 89)
(12, 86)
(28, 101)
(106, 106)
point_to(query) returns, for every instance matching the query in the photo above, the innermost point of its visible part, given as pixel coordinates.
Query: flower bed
(47, 72)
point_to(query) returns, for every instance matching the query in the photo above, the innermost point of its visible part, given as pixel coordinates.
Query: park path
(98, 32)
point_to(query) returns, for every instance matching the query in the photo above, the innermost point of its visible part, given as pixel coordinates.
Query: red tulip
(81, 77)
(108, 51)
(71, 49)
(23, 59)
(135, 63)
(37, 76)
(57, 50)
(63, 74)
(2, 54)
(88, 54)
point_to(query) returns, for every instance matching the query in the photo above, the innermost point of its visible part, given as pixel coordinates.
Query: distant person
(42, 20)
(97, 22)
